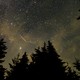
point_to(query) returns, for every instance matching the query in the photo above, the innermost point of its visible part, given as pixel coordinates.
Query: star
(20, 48)
(11, 23)
(29, 23)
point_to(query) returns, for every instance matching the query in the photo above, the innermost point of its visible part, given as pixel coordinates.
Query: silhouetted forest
(46, 64)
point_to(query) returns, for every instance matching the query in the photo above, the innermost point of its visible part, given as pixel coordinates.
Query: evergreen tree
(77, 64)
(19, 68)
(47, 64)
(72, 74)
(2, 50)
(78, 17)
(2, 55)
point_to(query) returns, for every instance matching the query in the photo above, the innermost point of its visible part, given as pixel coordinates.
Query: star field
(26, 24)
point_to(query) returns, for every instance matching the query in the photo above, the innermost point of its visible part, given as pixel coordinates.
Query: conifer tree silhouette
(77, 64)
(47, 64)
(78, 17)
(72, 74)
(2, 55)
(18, 68)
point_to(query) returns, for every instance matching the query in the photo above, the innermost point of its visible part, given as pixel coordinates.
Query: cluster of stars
(28, 23)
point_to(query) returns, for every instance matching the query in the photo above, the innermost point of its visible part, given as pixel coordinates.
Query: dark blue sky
(26, 24)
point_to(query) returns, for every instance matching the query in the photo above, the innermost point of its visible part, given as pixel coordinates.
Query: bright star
(20, 48)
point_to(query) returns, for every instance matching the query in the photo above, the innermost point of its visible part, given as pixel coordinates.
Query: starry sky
(26, 24)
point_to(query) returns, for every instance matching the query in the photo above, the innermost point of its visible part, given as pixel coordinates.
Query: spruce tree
(78, 17)
(47, 64)
(18, 70)
(72, 74)
(2, 55)
(77, 64)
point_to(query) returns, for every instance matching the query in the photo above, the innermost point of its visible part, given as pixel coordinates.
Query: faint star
(11, 23)
(35, 2)
(20, 48)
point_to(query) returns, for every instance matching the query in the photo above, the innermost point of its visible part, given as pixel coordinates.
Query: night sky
(26, 24)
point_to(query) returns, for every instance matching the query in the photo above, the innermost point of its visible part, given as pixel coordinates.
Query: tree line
(46, 64)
